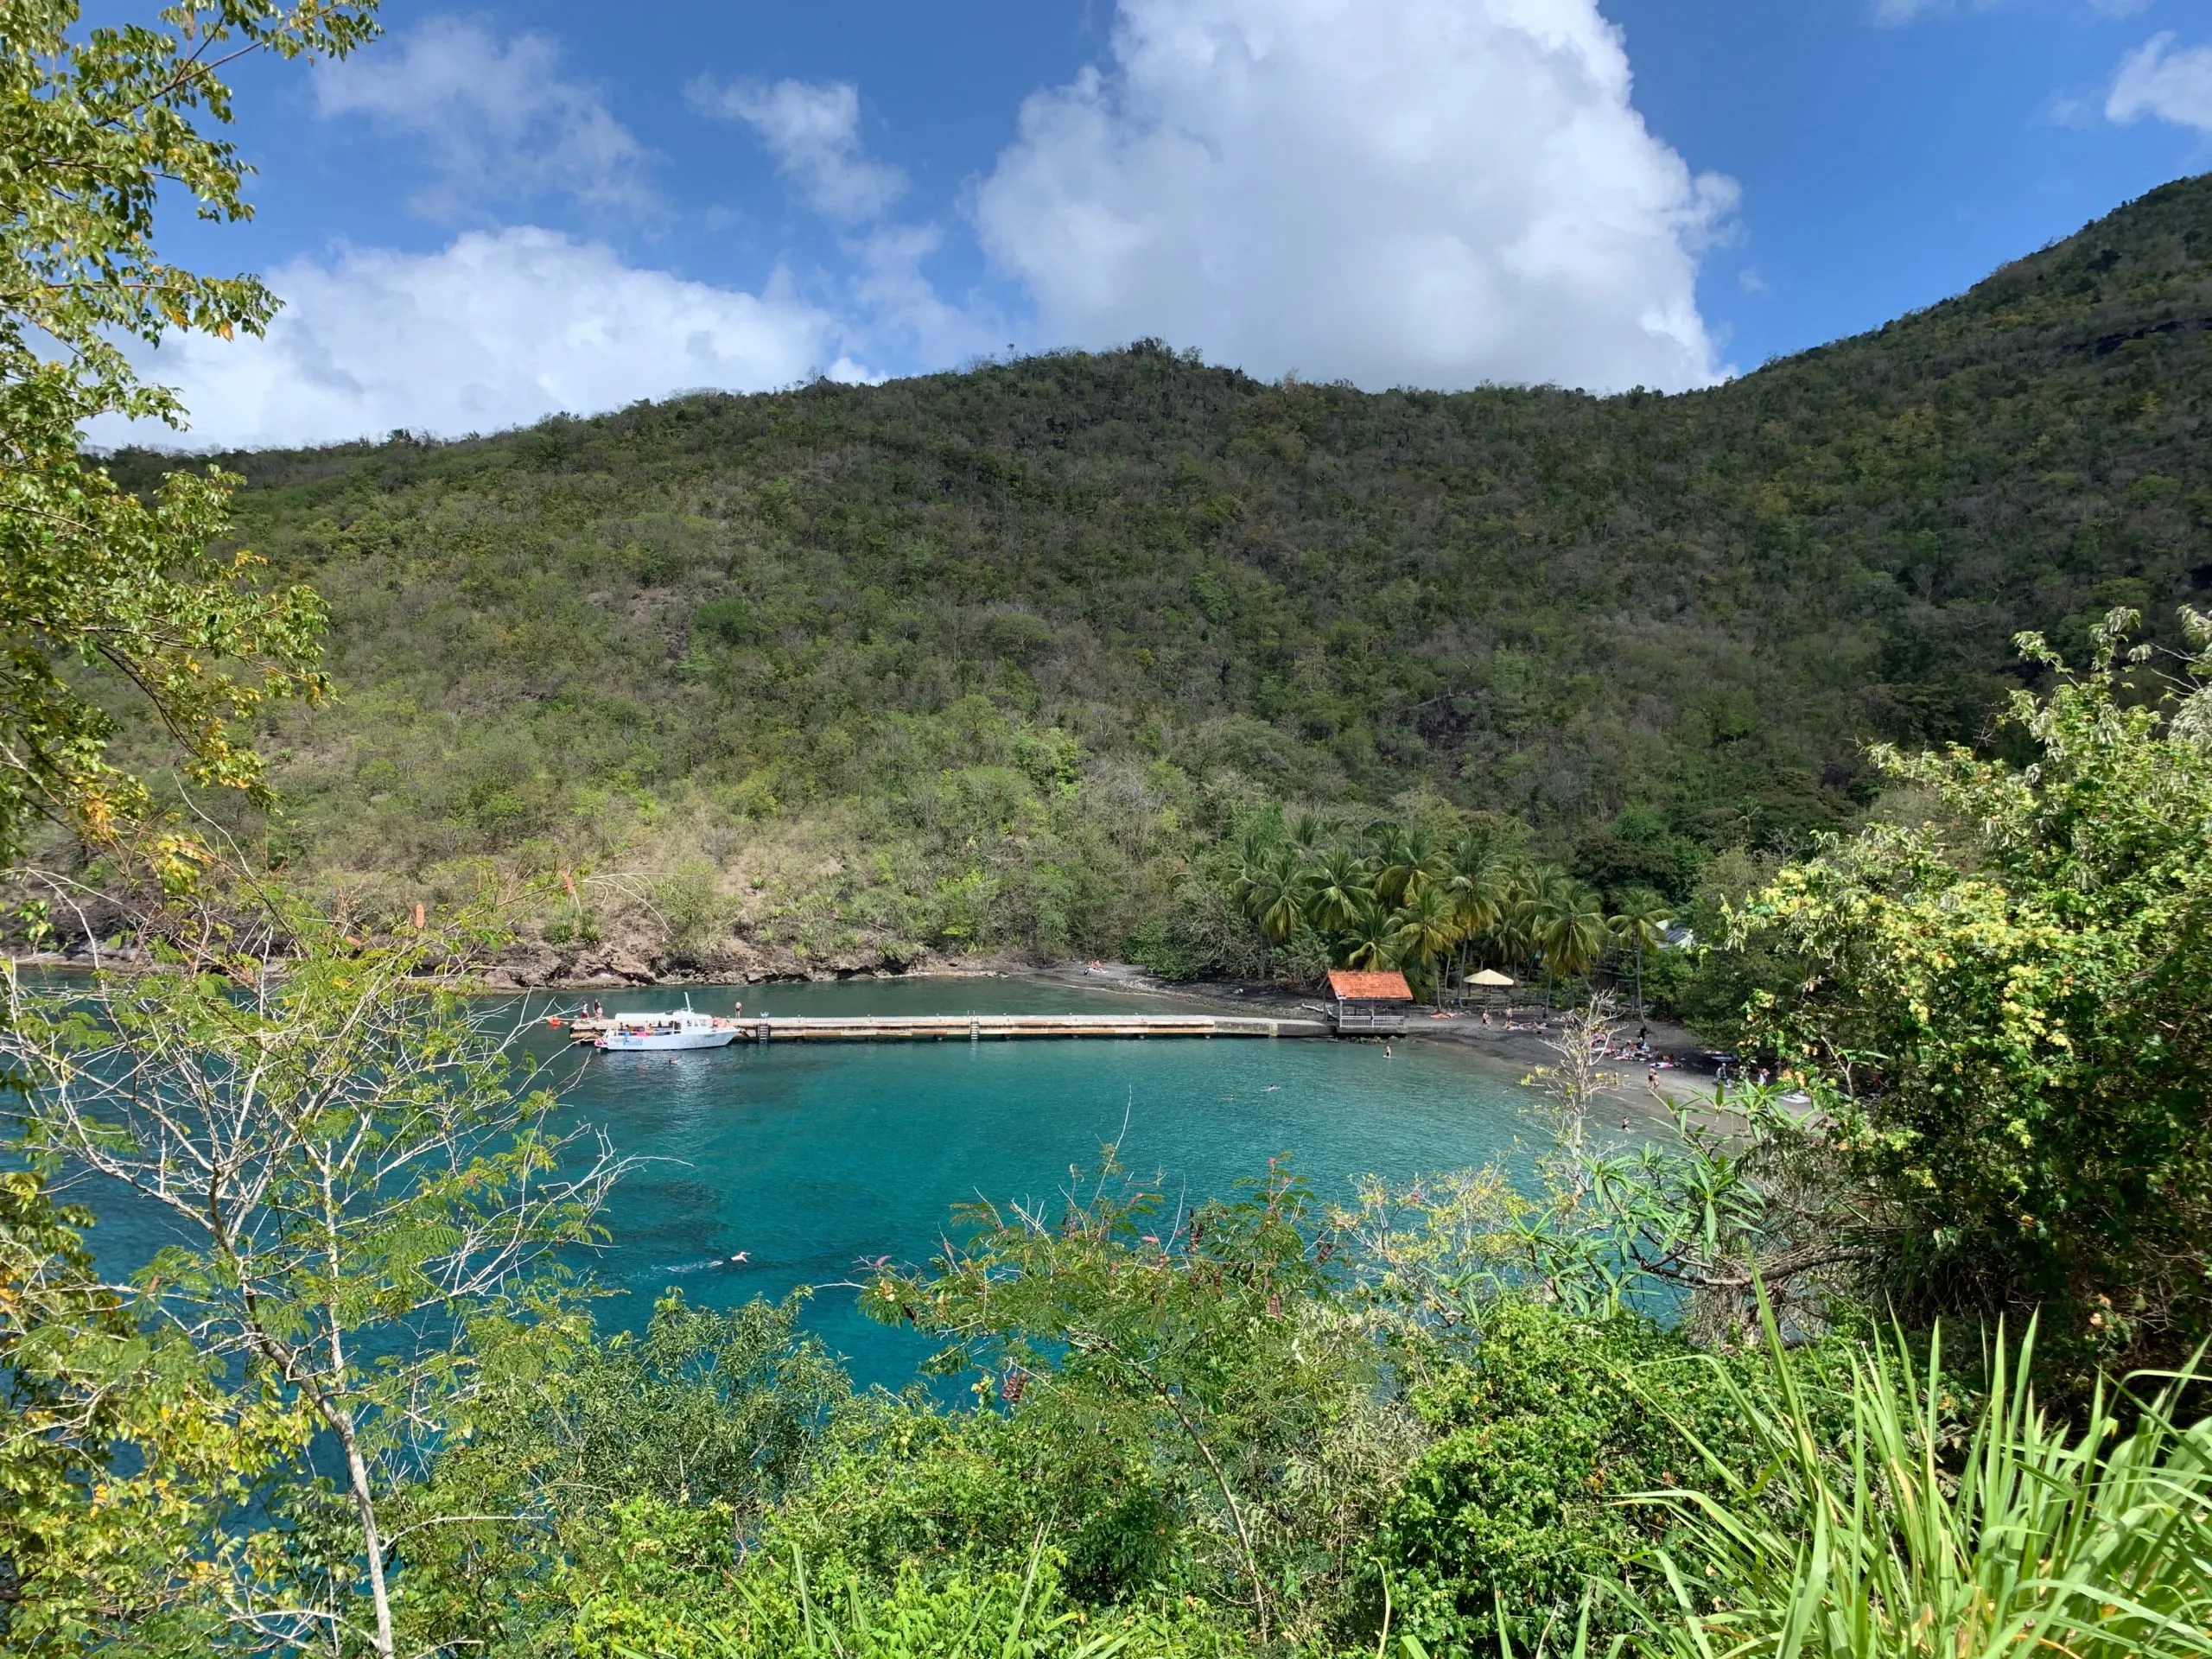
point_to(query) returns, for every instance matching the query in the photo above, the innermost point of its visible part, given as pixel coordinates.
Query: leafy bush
(2008, 1011)
(1517, 1504)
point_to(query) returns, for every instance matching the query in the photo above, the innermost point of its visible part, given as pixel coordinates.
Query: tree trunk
(357, 1478)
(340, 1418)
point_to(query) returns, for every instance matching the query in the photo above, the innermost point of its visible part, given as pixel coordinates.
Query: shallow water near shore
(813, 1159)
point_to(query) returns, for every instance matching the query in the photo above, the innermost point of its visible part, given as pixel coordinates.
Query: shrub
(2007, 1012)
(1517, 1504)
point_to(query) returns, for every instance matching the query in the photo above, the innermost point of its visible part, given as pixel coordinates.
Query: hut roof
(1353, 987)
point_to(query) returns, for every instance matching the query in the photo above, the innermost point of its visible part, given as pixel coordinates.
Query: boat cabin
(1370, 1004)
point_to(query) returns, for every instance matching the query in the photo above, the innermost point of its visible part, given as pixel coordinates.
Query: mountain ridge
(1045, 627)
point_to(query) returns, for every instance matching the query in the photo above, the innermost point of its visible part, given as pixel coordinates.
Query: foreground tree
(363, 1192)
(1710, 1222)
(119, 1451)
(1210, 1337)
(94, 125)
(578, 1441)
(2009, 1010)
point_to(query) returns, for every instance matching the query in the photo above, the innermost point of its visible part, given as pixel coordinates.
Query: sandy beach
(1524, 1049)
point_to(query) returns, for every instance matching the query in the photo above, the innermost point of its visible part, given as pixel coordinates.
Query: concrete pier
(995, 1027)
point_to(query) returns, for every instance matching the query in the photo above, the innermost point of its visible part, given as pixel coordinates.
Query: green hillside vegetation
(844, 675)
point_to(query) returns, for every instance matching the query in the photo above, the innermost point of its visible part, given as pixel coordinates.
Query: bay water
(813, 1159)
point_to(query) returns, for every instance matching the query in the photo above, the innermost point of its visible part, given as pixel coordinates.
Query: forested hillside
(979, 658)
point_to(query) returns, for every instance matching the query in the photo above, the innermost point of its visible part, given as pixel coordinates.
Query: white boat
(683, 1027)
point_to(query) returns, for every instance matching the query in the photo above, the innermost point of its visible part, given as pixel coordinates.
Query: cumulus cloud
(500, 121)
(2156, 80)
(814, 133)
(901, 303)
(493, 331)
(1432, 192)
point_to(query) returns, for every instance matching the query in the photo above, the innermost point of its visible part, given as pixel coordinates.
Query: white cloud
(814, 133)
(1434, 192)
(2118, 8)
(902, 304)
(500, 121)
(493, 331)
(2174, 86)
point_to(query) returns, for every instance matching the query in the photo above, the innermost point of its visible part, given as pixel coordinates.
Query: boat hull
(624, 1042)
(651, 1040)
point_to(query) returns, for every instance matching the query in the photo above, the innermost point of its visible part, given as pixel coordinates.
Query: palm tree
(1479, 884)
(1519, 926)
(1427, 927)
(1305, 834)
(1409, 859)
(1272, 892)
(1572, 927)
(1386, 854)
(1641, 925)
(1338, 885)
(1371, 940)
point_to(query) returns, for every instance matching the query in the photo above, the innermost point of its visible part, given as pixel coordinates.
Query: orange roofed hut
(1370, 1004)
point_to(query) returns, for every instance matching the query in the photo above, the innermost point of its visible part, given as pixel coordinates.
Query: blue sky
(497, 210)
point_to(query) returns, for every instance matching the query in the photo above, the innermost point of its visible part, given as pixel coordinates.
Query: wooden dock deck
(996, 1027)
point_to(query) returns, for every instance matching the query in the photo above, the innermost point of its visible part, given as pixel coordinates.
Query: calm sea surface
(810, 1159)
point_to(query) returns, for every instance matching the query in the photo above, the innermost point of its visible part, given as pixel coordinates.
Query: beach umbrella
(1492, 977)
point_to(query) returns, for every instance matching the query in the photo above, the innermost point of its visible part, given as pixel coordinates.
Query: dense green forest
(847, 674)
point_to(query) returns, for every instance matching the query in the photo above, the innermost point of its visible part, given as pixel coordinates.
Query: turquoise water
(810, 1159)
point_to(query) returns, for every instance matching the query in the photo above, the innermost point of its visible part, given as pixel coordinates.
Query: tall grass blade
(2035, 1540)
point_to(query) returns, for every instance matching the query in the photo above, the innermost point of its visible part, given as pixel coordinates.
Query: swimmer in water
(739, 1259)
